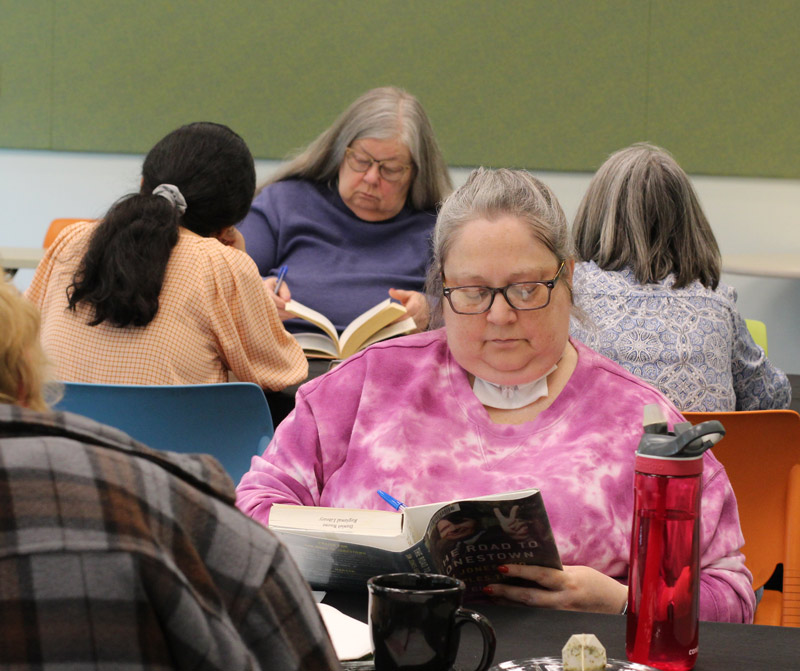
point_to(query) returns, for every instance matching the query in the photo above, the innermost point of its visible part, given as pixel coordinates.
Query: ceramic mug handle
(466, 616)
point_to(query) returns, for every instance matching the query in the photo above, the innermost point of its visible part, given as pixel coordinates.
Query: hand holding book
(416, 306)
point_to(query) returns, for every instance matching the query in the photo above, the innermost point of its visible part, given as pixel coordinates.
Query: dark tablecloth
(532, 632)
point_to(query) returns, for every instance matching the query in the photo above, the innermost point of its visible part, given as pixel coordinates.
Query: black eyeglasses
(475, 300)
(390, 170)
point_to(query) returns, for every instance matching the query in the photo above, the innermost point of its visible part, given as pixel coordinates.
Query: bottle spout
(694, 440)
(687, 442)
(654, 420)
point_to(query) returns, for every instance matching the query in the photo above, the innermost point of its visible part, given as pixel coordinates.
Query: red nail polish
(488, 590)
(502, 569)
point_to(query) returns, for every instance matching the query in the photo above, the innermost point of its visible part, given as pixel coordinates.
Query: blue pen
(397, 505)
(281, 274)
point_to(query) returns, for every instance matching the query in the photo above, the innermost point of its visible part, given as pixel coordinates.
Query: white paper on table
(350, 636)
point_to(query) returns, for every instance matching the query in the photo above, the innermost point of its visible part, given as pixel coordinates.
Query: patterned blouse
(690, 343)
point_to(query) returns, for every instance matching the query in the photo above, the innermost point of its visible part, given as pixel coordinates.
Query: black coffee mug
(415, 621)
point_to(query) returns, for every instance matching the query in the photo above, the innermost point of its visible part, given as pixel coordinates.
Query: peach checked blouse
(214, 316)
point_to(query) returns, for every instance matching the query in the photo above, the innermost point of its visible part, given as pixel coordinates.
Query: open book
(377, 323)
(340, 548)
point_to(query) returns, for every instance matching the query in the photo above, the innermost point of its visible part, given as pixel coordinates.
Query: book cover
(466, 539)
(377, 323)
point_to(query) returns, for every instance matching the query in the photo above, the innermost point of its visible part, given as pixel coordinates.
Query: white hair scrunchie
(173, 194)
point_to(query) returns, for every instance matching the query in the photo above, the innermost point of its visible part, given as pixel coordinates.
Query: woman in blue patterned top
(649, 287)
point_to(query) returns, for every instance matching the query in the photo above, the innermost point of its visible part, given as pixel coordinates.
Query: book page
(350, 637)
(367, 323)
(336, 520)
(402, 327)
(316, 318)
(317, 345)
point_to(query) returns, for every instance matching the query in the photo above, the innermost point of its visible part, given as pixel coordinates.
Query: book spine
(419, 559)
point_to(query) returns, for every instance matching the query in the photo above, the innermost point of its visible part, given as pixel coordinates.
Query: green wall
(546, 85)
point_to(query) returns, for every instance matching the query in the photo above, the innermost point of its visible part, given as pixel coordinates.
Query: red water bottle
(664, 572)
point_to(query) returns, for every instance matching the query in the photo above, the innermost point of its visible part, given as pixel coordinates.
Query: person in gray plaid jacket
(113, 555)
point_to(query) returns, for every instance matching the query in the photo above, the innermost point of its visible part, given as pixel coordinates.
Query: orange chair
(55, 228)
(761, 454)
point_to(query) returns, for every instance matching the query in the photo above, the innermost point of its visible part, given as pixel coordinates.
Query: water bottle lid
(687, 443)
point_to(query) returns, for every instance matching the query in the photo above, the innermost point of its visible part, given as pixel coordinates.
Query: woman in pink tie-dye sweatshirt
(498, 399)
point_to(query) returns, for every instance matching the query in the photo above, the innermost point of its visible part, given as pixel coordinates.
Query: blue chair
(230, 421)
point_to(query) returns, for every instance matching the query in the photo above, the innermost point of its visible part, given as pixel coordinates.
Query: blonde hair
(383, 114)
(640, 211)
(23, 365)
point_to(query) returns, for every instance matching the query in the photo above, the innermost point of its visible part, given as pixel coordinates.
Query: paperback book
(340, 548)
(384, 320)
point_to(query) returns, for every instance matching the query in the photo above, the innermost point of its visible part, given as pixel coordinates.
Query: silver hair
(640, 211)
(383, 114)
(491, 194)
